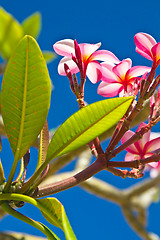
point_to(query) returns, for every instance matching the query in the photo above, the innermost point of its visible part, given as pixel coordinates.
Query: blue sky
(114, 24)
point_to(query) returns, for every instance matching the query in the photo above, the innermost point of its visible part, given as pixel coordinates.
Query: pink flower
(120, 79)
(147, 46)
(142, 148)
(84, 53)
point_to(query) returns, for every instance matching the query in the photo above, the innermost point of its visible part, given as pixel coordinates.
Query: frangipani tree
(25, 101)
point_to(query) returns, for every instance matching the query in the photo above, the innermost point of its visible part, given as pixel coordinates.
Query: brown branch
(94, 168)
(99, 165)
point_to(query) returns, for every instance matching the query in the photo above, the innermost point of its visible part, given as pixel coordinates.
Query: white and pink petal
(107, 73)
(146, 137)
(104, 55)
(121, 68)
(94, 70)
(153, 164)
(131, 157)
(144, 42)
(144, 54)
(132, 148)
(87, 49)
(137, 71)
(64, 48)
(152, 145)
(109, 89)
(71, 64)
(156, 52)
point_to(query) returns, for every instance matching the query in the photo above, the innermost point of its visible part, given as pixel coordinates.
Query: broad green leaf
(25, 96)
(32, 25)
(40, 226)
(49, 56)
(86, 124)
(51, 209)
(55, 214)
(10, 33)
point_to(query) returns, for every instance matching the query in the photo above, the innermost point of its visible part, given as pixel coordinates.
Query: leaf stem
(11, 176)
(33, 178)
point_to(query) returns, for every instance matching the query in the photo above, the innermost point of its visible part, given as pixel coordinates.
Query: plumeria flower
(147, 46)
(83, 54)
(120, 79)
(142, 148)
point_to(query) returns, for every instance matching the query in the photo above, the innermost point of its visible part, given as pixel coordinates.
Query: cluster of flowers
(117, 77)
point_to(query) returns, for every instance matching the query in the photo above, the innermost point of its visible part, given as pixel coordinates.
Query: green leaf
(51, 209)
(49, 56)
(86, 124)
(55, 214)
(10, 33)
(32, 25)
(40, 226)
(25, 96)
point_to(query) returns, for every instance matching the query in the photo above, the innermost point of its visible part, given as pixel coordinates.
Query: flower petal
(156, 52)
(107, 73)
(105, 55)
(130, 157)
(108, 65)
(132, 148)
(154, 164)
(94, 71)
(152, 145)
(121, 68)
(149, 57)
(87, 49)
(154, 172)
(146, 137)
(109, 89)
(154, 135)
(144, 42)
(64, 47)
(137, 71)
(71, 64)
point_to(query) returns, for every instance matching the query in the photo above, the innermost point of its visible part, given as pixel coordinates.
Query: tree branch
(94, 168)
(135, 224)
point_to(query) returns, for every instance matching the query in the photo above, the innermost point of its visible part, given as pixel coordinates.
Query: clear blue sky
(114, 23)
